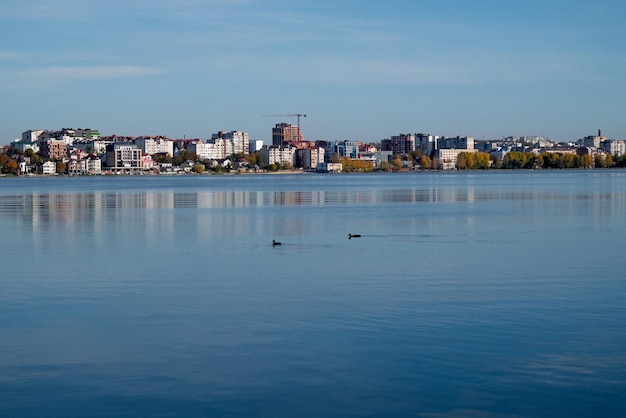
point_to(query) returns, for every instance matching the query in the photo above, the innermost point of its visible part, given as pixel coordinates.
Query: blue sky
(361, 70)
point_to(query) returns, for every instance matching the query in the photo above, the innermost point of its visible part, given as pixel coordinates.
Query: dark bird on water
(350, 236)
(275, 243)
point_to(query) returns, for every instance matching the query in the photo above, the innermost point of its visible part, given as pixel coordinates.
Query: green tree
(198, 168)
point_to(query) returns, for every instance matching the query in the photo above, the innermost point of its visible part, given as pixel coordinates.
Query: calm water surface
(468, 294)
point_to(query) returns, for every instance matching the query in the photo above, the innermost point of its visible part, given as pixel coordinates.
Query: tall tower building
(285, 134)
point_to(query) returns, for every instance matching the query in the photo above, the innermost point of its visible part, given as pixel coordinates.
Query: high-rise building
(457, 142)
(399, 144)
(285, 134)
(426, 143)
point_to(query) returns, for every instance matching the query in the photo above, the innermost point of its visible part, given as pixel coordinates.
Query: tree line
(514, 160)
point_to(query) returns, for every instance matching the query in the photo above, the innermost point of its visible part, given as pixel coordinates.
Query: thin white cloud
(51, 77)
(10, 55)
(385, 71)
(348, 70)
(91, 73)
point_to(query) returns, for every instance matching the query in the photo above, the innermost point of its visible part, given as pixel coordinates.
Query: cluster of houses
(86, 152)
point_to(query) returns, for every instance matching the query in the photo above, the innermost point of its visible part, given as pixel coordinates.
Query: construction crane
(292, 115)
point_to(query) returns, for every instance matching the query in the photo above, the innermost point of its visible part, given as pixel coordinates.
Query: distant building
(278, 155)
(239, 141)
(613, 147)
(399, 145)
(70, 135)
(92, 146)
(49, 168)
(457, 142)
(152, 145)
(329, 167)
(346, 148)
(201, 150)
(215, 149)
(53, 148)
(24, 146)
(31, 135)
(592, 141)
(255, 145)
(309, 157)
(147, 163)
(93, 165)
(285, 134)
(123, 157)
(426, 143)
(447, 158)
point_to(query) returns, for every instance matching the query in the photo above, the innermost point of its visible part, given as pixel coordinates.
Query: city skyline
(360, 70)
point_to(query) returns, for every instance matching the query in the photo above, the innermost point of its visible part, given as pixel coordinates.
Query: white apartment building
(310, 157)
(219, 149)
(613, 146)
(31, 135)
(85, 165)
(155, 145)
(92, 146)
(255, 145)
(93, 165)
(240, 143)
(447, 158)
(278, 155)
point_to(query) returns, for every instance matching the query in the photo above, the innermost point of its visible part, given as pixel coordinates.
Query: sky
(362, 70)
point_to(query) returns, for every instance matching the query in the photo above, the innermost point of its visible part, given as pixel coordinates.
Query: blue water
(468, 294)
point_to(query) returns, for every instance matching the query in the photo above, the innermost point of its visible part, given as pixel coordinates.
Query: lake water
(468, 294)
